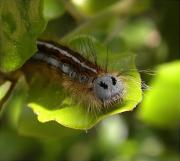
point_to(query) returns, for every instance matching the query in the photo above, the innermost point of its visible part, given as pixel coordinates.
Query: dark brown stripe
(68, 56)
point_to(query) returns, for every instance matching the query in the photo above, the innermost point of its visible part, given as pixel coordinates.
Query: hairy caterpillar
(85, 80)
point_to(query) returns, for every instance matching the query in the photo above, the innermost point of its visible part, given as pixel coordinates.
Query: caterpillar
(86, 81)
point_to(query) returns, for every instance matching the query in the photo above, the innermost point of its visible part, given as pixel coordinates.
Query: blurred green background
(151, 132)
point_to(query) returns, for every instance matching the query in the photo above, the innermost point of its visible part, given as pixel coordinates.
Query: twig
(12, 77)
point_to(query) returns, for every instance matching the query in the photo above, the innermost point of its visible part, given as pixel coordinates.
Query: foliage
(145, 33)
(21, 23)
(165, 85)
(61, 108)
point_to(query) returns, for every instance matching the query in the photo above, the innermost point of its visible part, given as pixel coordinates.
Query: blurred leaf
(17, 100)
(24, 120)
(20, 24)
(136, 33)
(117, 44)
(92, 7)
(50, 102)
(129, 150)
(168, 24)
(161, 106)
(15, 147)
(142, 6)
(53, 9)
(59, 27)
(112, 133)
(30, 126)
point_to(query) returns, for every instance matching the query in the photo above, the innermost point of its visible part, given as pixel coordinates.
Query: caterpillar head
(108, 88)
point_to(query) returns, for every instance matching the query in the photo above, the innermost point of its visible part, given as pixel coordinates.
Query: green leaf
(161, 107)
(50, 102)
(21, 22)
(29, 126)
(92, 7)
(53, 9)
(137, 33)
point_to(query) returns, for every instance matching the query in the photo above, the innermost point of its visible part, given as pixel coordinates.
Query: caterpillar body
(84, 79)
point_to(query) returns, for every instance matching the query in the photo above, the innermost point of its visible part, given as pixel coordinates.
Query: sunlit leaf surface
(164, 86)
(50, 103)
